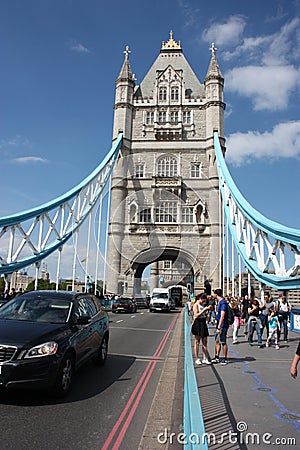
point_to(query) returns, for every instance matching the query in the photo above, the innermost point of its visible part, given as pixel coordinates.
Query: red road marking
(141, 384)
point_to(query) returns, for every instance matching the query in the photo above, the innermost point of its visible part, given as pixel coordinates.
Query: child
(273, 328)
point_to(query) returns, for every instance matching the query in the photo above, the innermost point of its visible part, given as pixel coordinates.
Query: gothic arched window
(162, 93)
(149, 117)
(174, 116)
(175, 93)
(167, 166)
(162, 116)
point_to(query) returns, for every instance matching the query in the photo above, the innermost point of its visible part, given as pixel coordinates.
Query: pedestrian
(237, 318)
(273, 328)
(293, 370)
(283, 309)
(222, 328)
(244, 311)
(254, 323)
(267, 303)
(189, 306)
(199, 328)
(211, 318)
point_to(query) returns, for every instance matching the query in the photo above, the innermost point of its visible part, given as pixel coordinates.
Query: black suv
(46, 335)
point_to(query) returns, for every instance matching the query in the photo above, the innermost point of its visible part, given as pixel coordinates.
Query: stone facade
(165, 203)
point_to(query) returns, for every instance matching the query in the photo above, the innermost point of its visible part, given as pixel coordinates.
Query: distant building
(20, 280)
(79, 286)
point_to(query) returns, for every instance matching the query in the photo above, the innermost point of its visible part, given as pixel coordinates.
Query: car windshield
(123, 300)
(35, 309)
(162, 295)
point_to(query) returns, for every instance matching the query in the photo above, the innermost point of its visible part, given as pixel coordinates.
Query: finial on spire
(171, 44)
(127, 52)
(213, 49)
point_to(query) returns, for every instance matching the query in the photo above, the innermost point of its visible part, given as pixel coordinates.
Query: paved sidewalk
(253, 396)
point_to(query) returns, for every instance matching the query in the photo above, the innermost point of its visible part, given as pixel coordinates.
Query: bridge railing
(30, 236)
(269, 250)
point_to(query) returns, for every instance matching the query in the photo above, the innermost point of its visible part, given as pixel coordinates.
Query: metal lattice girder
(270, 251)
(29, 237)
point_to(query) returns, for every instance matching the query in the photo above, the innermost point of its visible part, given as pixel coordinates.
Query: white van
(160, 300)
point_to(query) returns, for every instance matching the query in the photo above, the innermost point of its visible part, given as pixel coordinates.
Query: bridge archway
(152, 257)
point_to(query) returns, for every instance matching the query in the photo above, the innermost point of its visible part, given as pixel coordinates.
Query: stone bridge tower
(165, 205)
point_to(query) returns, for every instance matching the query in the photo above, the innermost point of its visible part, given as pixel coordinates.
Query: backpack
(230, 315)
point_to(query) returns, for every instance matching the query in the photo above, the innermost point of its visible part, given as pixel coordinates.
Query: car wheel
(102, 352)
(65, 376)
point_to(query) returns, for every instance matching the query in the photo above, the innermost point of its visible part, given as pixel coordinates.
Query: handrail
(194, 430)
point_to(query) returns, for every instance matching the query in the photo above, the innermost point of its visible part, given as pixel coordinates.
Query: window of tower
(174, 116)
(139, 170)
(150, 118)
(187, 214)
(162, 94)
(175, 93)
(145, 215)
(166, 212)
(167, 166)
(162, 116)
(167, 264)
(196, 170)
(186, 117)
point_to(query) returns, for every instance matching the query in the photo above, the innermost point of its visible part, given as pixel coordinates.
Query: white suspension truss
(269, 250)
(29, 237)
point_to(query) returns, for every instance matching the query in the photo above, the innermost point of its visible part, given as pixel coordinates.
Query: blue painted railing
(194, 431)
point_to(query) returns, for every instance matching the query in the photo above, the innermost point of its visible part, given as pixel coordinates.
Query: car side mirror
(82, 320)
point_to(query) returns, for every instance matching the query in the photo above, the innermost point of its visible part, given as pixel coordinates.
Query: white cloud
(282, 142)
(271, 49)
(79, 48)
(29, 159)
(268, 87)
(227, 33)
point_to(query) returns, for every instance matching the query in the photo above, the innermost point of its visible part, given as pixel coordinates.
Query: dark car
(46, 335)
(124, 305)
(141, 301)
(3, 302)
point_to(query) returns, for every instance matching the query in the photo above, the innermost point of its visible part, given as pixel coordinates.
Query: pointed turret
(213, 69)
(124, 99)
(125, 72)
(214, 92)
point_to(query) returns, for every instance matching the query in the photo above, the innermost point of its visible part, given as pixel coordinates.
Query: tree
(43, 285)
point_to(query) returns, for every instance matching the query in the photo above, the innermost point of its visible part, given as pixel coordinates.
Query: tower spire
(213, 69)
(125, 72)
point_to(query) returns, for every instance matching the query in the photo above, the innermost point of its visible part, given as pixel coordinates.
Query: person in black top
(254, 323)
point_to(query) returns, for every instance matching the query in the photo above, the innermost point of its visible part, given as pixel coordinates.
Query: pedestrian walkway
(252, 402)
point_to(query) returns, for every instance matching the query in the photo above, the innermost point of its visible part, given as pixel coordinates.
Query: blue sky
(60, 60)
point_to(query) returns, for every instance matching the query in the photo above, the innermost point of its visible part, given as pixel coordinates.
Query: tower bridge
(162, 197)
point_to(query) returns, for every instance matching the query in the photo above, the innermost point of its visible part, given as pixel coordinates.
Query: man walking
(222, 328)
